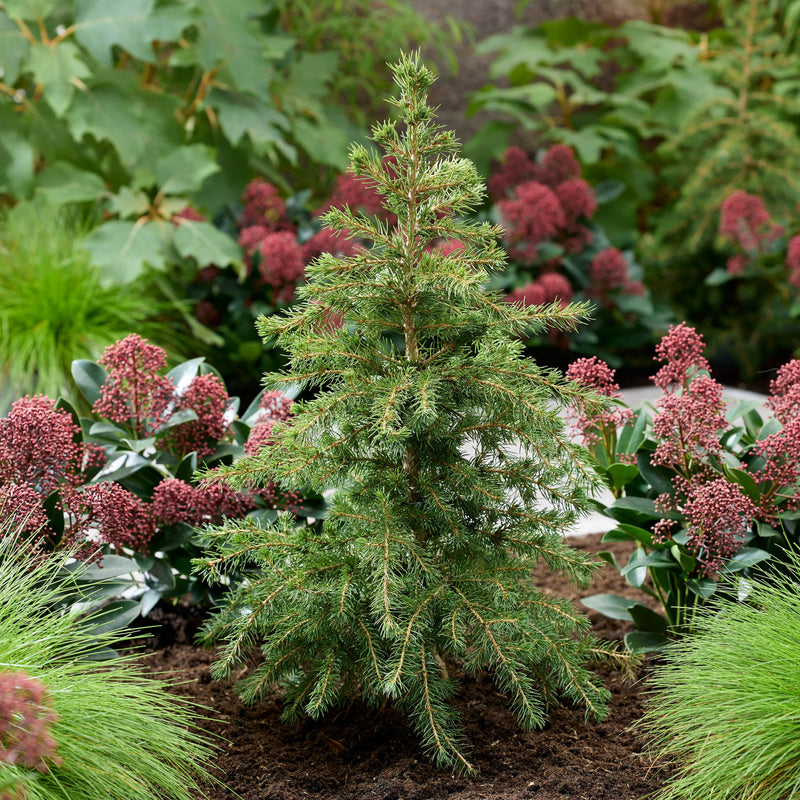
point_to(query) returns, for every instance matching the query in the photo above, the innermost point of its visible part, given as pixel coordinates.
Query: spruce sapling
(451, 471)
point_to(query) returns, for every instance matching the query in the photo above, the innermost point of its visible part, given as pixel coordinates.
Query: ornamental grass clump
(449, 472)
(73, 727)
(724, 706)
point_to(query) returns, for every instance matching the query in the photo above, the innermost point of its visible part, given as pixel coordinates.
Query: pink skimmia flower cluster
(26, 719)
(137, 395)
(548, 202)
(598, 427)
(42, 456)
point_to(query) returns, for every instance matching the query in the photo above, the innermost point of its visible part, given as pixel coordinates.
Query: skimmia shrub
(558, 253)
(723, 706)
(72, 726)
(450, 471)
(704, 491)
(122, 486)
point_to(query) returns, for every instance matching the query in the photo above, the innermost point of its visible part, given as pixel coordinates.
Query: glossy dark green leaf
(631, 436)
(621, 474)
(114, 616)
(187, 467)
(747, 557)
(628, 533)
(632, 510)
(606, 191)
(702, 587)
(745, 480)
(647, 620)
(612, 606)
(639, 643)
(89, 378)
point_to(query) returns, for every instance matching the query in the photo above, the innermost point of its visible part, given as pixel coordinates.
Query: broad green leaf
(187, 467)
(622, 474)
(110, 567)
(612, 606)
(639, 643)
(185, 372)
(17, 160)
(659, 559)
(659, 47)
(62, 182)
(609, 558)
(718, 276)
(326, 143)
(206, 244)
(55, 514)
(631, 436)
(629, 533)
(133, 25)
(702, 587)
(686, 562)
(747, 557)
(766, 531)
(654, 476)
(89, 378)
(162, 573)
(228, 37)
(114, 616)
(745, 480)
(138, 123)
(647, 620)
(123, 466)
(742, 408)
(127, 203)
(632, 510)
(179, 418)
(243, 115)
(184, 170)
(57, 67)
(148, 601)
(29, 9)
(606, 191)
(13, 46)
(122, 249)
(635, 571)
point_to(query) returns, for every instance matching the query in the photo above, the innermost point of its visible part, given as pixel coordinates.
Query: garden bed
(364, 753)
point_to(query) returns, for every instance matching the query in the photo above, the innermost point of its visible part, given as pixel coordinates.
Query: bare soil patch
(367, 754)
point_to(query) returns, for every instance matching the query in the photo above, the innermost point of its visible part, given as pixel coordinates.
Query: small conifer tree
(452, 473)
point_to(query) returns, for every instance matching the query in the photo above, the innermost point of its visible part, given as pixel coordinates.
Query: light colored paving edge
(636, 397)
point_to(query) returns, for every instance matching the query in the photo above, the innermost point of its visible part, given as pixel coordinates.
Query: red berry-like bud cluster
(135, 393)
(26, 719)
(590, 423)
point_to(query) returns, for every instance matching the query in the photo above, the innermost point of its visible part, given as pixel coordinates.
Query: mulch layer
(367, 754)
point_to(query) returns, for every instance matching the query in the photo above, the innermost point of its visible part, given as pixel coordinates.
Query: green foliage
(449, 470)
(55, 306)
(665, 471)
(146, 105)
(683, 119)
(607, 92)
(365, 36)
(723, 706)
(742, 138)
(117, 733)
(141, 461)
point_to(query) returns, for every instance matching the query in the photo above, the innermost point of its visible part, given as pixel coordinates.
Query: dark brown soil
(362, 753)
